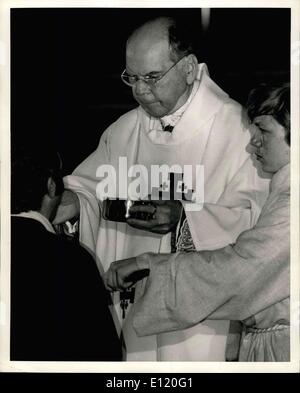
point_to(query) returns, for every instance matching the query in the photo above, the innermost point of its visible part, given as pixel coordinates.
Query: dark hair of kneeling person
(59, 306)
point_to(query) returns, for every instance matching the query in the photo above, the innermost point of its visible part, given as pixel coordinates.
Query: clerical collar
(38, 217)
(174, 118)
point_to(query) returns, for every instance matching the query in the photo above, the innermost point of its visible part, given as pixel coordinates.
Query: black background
(66, 65)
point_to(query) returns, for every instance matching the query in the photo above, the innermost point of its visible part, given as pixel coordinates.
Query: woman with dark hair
(271, 100)
(247, 281)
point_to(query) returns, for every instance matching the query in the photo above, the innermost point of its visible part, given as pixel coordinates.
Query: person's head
(161, 54)
(36, 182)
(268, 108)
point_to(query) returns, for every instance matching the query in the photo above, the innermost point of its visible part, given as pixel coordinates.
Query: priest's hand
(68, 208)
(166, 215)
(123, 274)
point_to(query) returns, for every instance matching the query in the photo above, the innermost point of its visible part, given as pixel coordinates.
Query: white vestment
(212, 132)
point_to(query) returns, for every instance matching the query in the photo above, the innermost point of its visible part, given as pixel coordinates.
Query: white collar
(38, 217)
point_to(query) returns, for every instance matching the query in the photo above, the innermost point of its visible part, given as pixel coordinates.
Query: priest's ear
(191, 68)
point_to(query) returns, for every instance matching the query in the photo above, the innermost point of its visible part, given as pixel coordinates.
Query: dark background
(66, 65)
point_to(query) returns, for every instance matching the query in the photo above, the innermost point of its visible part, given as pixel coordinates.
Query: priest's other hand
(68, 208)
(123, 274)
(166, 215)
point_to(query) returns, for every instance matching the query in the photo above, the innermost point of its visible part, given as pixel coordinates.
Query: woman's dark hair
(274, 100)
(30, 172)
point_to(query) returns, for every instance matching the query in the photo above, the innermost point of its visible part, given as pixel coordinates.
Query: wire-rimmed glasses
(151, 80)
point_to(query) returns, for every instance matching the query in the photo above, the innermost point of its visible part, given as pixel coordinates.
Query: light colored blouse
(247, 281)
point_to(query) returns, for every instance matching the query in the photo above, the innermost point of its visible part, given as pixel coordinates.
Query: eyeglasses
(131, 80)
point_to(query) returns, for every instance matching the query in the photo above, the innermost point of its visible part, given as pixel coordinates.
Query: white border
(149, 367)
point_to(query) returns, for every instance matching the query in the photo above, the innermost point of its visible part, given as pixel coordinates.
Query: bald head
(152, 33)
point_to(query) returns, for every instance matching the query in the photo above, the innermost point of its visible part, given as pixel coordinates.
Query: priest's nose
(141, 87)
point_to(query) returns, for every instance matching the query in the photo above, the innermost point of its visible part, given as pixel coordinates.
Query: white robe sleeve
(84, 182)
(233, 283)
(219, 224)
